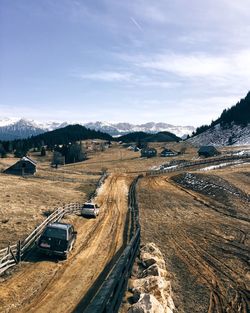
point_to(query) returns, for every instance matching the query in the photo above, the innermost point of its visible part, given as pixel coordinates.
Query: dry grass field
(201, 223)
(24, 201)
(119, 159)
(200, 220)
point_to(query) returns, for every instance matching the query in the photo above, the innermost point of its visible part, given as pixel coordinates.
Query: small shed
(25, 166)
(148, 152)
(168, 153)
(208, 151)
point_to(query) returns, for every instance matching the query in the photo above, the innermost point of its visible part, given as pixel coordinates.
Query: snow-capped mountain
(14, 128)
(117, 129)
(217, 135)
(8, 121)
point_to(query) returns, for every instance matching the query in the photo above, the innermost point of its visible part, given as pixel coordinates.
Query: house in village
(133, 148)
(25, 166)
(148, 152)
(208, 151)
(168, 153)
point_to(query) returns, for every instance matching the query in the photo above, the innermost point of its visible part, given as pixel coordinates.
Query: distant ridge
(14, 128)
(61, 136)
(146, 137)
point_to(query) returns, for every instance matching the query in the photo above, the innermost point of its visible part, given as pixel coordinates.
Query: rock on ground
(151, 287)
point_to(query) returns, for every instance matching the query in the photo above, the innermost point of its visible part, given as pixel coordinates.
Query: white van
(90, 209)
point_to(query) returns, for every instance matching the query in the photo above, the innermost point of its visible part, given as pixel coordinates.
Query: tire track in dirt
(197, 242)
(211, 266)
(217, 289)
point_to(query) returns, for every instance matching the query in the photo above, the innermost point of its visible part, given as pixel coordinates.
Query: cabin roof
(207, 149)
(27, 159)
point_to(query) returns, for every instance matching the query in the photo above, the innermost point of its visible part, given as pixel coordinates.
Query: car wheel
(64, 257)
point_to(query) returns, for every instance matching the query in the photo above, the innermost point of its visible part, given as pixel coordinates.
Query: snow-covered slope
(14, 128)
(235, 135)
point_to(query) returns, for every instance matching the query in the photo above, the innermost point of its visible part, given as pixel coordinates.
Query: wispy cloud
(200, 64)
(129, 78)
(108, 76)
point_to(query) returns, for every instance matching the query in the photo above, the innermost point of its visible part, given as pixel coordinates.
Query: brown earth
(43, 285)
(204, 247)
(205, 243)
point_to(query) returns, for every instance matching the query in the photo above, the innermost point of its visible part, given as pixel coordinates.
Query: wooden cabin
(25, 166)
(208, 151)
(148, 152)
(168, 153)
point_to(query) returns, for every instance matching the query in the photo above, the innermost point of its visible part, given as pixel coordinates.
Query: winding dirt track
(45, 286)
(206, 250)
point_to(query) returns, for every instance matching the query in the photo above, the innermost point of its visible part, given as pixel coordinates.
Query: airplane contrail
(136, 24)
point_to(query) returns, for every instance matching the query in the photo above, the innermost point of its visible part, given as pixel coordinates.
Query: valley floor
(199, 219)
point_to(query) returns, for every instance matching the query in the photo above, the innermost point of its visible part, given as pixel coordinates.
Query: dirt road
(42, 285)
(204, 238)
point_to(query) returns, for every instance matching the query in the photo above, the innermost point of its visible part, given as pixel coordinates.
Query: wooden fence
(109, 297)
(13, 254)
(178, 167)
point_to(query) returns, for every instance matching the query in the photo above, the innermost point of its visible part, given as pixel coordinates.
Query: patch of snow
(214, 167)
(234, 135)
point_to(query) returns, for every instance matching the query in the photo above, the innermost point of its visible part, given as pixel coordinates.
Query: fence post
(8, 250)
(13, 255)
(18, 252)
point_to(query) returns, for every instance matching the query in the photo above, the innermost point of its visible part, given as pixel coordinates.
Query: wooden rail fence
(181, 166)
(13, 254)
(109, 297)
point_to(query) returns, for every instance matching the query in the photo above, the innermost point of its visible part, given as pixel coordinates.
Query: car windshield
(88, 206)
(55, 232)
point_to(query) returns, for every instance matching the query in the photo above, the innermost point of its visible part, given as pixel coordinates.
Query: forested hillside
(238, 114)
(61, 136)
(145, 137)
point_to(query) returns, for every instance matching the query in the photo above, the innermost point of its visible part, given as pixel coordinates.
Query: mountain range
(18, 128)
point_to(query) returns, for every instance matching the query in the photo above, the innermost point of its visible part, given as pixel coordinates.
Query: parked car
(57, 239)
(90, 209)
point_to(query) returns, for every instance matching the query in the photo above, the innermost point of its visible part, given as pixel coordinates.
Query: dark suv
(57, 239)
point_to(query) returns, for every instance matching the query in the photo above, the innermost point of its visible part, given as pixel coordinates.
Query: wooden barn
(168, 153)
(25, 166)
(208, 151)
(148, 152)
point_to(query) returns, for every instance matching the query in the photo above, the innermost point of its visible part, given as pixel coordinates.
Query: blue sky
(180, 62)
